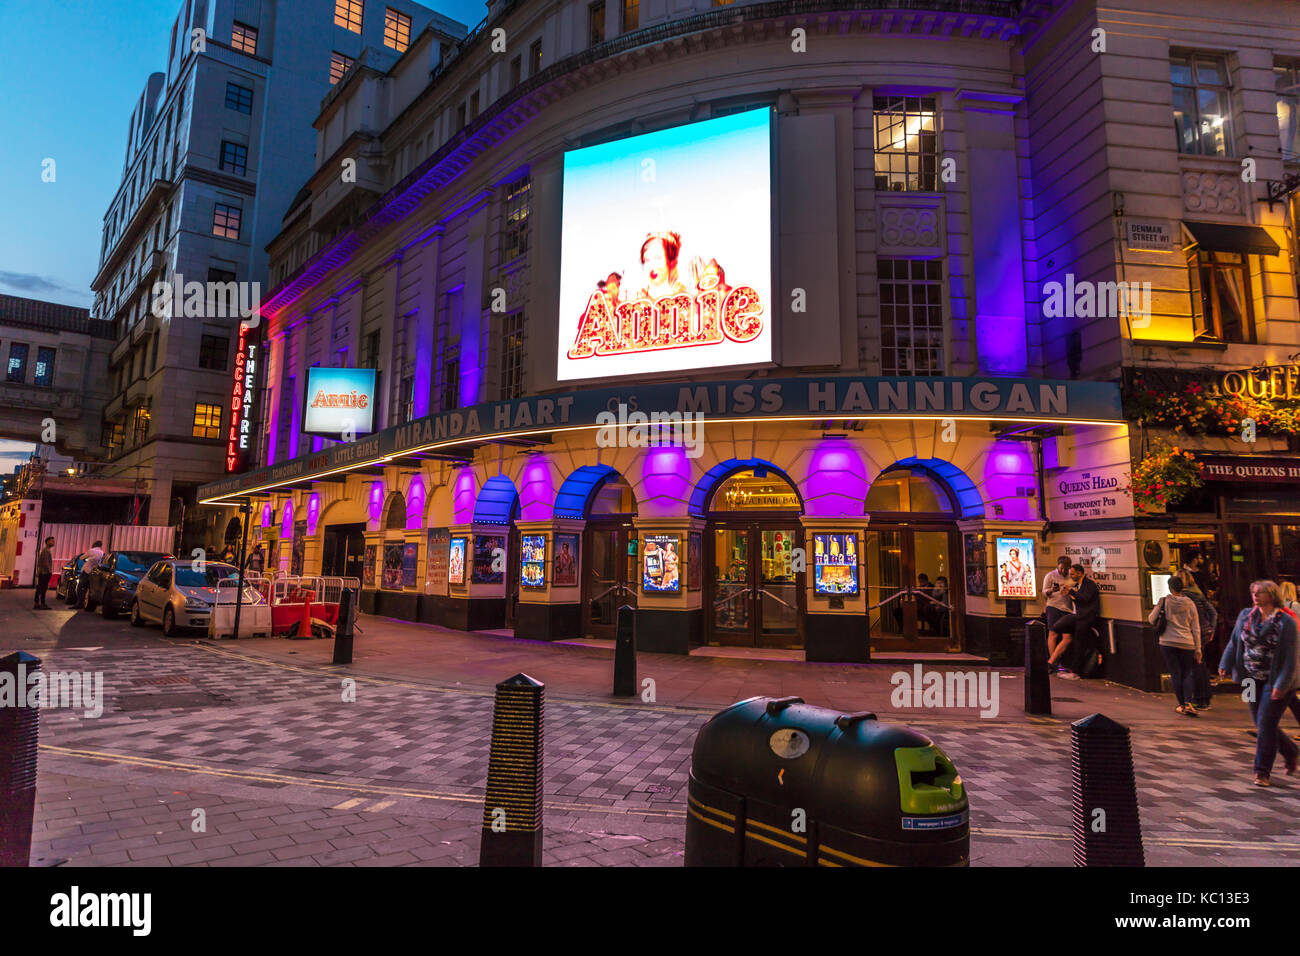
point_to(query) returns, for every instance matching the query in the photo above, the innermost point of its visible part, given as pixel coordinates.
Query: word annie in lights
(353, 399)
(670, 311)
(241, 401)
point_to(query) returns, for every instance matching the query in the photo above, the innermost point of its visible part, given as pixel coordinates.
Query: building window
(140, 425)
(339, 64)
(911, 316)
(406, 394)
(239, 98)
(596, 23)
(1288, 110)
(225, 221)
(234, 157)
(153, 353)
(347, 14)
(473, 105)
(631, 15)
(535, 58)
(515, 240)
(907, 147)
(512, 355)
(460, 117)
(213, 350)
(114, 435)
(370, 357)
(207, 421)
(516, 71)
(17, 369)
(1202, 114)
(1221, 305)
(397, 30)
(449, 394)
(44, 376)
(244, 38)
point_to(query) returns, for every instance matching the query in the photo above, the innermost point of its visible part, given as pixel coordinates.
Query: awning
(1220, 237)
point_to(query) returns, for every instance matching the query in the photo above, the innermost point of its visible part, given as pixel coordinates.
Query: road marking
(349, 804)
(383, 805)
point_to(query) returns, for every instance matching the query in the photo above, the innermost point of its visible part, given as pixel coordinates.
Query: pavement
(251, 752)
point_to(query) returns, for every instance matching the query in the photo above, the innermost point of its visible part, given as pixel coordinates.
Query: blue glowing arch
(710, 480)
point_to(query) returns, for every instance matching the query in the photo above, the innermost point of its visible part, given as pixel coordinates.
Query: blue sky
(72, 72)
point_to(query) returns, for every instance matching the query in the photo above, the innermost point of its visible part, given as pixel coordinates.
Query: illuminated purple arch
(962, 490)
(498, 501)
(575, 496)
(711, 479)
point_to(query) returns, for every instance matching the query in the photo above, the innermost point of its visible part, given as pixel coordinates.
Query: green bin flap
(928, 781)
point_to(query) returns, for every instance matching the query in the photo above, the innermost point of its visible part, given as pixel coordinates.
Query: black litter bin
(777, 782)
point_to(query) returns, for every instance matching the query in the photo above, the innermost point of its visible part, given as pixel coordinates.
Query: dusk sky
(72, 72)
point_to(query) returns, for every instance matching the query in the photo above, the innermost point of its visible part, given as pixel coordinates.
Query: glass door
(609, 565)
(756, 597)
(910, 596)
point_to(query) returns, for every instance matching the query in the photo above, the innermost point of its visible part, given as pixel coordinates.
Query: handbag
(1161, 620)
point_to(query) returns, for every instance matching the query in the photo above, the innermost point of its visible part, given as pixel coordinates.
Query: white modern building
(218, 143)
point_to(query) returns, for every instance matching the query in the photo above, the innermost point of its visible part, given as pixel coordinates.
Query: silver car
(175, 594)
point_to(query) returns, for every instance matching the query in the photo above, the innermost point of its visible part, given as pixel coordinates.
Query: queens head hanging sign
(666, 259)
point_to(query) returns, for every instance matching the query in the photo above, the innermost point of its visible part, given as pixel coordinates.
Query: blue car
(111, 586)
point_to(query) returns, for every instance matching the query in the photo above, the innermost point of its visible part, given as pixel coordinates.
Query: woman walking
(1179, 631)
(1208, 619)
(1263, 650)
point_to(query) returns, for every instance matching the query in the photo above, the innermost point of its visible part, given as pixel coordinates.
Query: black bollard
(625, 653)
(19, 728)
(1038, 684)
(343, 630)
(512, 809)
(1107, 831)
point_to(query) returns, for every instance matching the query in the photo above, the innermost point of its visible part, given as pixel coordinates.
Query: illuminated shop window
(397, 30)
(910, 491)
(347, 14)
(512, 355)
(207, 421)
(745, 491)
(1202, 114)
(225, 221)
(1221, 303)
(140, 425)
(907, 142)
(1288, 110)
(340, 63)
(517, 207)
(911, 316)
(631, 15)
(244, 38)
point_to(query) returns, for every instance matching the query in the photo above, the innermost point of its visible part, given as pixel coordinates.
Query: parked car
(67, 586)
(111, 586)
(176, 595)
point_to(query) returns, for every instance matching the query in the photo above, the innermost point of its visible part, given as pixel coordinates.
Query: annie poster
(666, 259)
(1015, 557)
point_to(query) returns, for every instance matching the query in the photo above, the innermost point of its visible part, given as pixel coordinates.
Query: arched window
(395, 520)
(748, 491)
(910, 490)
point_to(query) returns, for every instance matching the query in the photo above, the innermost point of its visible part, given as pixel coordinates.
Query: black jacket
(1087, 600)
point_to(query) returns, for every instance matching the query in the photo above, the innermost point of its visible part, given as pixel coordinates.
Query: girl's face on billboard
(656, 261)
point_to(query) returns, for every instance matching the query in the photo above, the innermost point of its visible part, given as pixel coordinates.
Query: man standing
(1056, 584)
(256, 559)
(1073, 627)
(44, 571)
(92, 559)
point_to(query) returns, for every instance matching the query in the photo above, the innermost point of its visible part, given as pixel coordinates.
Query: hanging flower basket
(1164, 477)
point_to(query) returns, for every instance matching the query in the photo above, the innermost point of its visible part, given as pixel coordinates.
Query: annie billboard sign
(667, 251)
(339, 402)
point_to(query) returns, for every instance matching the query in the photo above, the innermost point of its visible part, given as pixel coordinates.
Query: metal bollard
(512, 809)
(1107, 830)
(343, 630)
(625, 653)
(19, 729)
(1038, 684)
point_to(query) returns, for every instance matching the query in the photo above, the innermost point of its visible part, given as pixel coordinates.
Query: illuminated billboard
(1015, 557)
(666, 251)
(339, 402)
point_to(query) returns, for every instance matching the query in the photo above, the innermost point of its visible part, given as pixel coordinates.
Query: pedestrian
(1179, 632)
(1207, 617)
(44, 571)
(90, 561)
(1072, 628)
(1056, 587)
(1290, 602)
(1262, 656)
(228, 554)
(256, 560)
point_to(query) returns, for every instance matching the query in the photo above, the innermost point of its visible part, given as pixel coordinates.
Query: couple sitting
(1073, 607)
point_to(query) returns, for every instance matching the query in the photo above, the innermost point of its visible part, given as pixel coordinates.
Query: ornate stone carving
(1212, 192)
(909, 226)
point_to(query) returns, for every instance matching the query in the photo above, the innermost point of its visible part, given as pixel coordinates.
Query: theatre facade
(752, 317)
